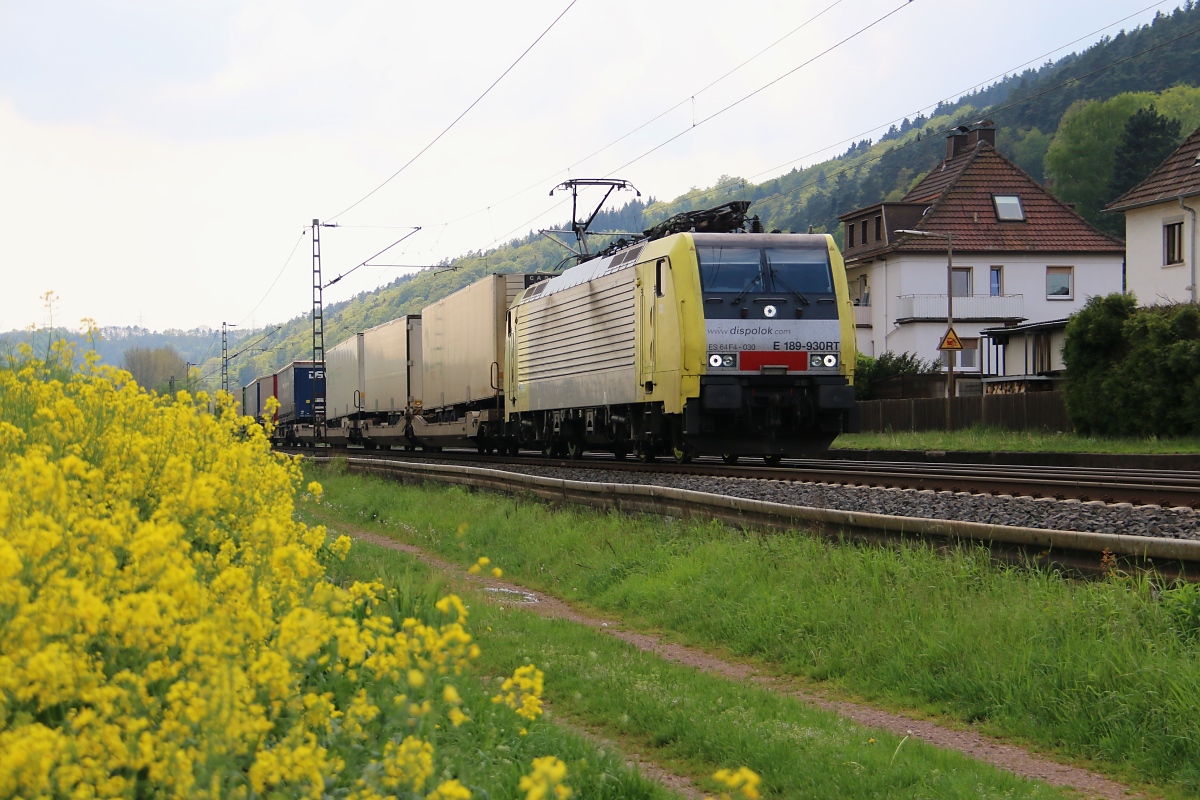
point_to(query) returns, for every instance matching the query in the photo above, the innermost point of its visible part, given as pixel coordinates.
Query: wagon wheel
(729, 458)
(548, 449)
(575, 449)
(773, 460)
(620, 452)
(644, 452)
(682, 454)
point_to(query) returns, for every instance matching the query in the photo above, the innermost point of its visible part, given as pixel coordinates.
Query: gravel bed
(1018, 511)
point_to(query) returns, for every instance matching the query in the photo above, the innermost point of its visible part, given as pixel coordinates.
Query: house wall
(1024, 274)
(1146, 276)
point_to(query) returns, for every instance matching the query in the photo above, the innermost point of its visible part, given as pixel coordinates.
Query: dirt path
(1010, 758)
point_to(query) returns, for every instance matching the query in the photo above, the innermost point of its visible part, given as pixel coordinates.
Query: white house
(1160, 228)
(1020, 255)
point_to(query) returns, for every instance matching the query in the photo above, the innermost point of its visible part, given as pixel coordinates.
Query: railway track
(1077, 550)
(1166, 488)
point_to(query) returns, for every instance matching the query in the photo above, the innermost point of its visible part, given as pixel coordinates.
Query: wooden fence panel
(1044, 411)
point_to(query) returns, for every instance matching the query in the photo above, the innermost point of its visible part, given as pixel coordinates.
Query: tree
(1148, 138)
(153, 368)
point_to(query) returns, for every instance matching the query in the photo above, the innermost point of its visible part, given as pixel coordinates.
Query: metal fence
(1031, 411)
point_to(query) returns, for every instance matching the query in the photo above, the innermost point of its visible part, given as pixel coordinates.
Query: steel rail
(1167, 488)
(1084, 551)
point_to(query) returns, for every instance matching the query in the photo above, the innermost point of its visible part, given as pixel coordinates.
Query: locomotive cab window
(805, 271)
(730, 269)
(773, 269)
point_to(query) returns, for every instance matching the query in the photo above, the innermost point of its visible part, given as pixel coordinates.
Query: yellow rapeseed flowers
(166, 625)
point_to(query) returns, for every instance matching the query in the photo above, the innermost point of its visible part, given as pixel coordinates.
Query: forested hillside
(1063, 123)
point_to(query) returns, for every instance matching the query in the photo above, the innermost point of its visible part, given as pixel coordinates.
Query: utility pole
(225, 356)
(951, 351)
(318, 332)
(187, 376)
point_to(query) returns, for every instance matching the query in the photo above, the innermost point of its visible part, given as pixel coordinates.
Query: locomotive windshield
(769, 269)
(729, 269)
(804, 271)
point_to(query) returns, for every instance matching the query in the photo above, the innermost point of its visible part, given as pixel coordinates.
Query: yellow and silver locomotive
(688, 342)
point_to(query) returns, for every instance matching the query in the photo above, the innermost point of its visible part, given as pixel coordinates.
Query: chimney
(956, 141)
(983, 132)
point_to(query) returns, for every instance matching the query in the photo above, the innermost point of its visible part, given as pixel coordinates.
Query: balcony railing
(862, 316)
(973, 307)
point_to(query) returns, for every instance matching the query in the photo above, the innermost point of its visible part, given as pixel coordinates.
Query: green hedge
(1133, 371)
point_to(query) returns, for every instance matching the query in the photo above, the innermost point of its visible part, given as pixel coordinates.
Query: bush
(1133, 371)
(870, 370)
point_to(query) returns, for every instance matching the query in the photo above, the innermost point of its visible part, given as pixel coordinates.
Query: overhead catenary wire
(690, 98)
(989, 111)
(279, 275)
(823, 149)
(766, 85)
(959, 94)
(467, 110)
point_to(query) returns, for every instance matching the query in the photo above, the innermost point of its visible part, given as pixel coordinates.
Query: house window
(850, 235)
(878, 227)
(1059, 285)
(864, 231)
(1173, 243)
(1008, 208)
(996, 281)
(960, 282)
(967, 358)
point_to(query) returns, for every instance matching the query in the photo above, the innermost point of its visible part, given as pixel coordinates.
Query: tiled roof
(1178, 175)
(959, 193)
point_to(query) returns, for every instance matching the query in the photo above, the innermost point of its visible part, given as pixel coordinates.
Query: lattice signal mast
(318, 330)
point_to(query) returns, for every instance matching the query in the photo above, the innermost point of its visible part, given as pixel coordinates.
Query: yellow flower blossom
(449, 790)
(743, 780)
(546, 780)
(161, 535)
(523, 692)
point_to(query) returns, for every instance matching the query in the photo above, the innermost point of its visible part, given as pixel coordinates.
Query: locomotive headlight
(722, 360)
(830, 360)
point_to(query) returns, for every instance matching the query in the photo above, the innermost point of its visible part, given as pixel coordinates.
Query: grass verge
(490, 753)
(698, 723)
(994, 439)
(1108, 670)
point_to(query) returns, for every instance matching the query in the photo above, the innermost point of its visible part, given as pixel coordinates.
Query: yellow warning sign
(951, 341)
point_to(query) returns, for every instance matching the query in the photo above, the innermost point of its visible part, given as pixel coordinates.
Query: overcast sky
(159, 160)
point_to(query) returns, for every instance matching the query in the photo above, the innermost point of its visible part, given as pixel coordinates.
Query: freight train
(699, 338)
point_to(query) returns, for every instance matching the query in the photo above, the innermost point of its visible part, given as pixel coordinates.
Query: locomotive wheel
(772, 461)
(548, 449)
(681, 454)
(621, 453)
(729, 459)
(644, 453)
(574, 449)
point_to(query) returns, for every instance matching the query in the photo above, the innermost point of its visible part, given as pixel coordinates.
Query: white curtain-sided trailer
(392, 366)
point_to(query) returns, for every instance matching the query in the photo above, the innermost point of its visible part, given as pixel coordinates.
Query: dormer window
(1008, 208)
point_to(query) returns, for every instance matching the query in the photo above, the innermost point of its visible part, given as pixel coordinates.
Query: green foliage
(1085, 669)
(872, 370)
(1147, 140)
(1082, 159)
(1133, 371)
